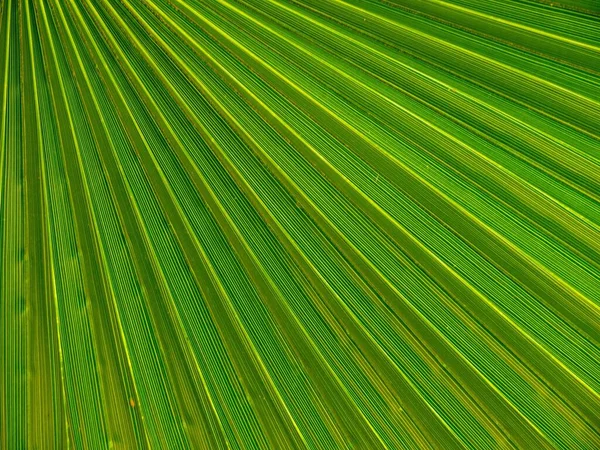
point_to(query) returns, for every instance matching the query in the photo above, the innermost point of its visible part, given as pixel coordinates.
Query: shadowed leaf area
(299, 224)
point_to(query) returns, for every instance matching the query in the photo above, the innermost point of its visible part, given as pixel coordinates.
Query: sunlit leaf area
(300, 224)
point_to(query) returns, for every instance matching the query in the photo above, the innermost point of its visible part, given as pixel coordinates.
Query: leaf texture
(279, 224)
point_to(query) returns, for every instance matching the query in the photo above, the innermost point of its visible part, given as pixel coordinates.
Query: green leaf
(286, 224)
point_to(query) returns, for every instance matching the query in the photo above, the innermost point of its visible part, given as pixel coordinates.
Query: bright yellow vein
(279, 224)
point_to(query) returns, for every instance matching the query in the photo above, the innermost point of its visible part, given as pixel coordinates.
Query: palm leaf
(300, 224)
